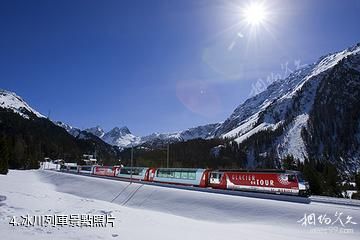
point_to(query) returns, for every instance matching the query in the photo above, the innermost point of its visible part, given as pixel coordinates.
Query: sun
(255, 13)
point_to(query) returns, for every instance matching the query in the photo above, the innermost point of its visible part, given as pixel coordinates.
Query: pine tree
(312, 176)
(331, 178)
(289, 163)
(357, 181)
(4, 157)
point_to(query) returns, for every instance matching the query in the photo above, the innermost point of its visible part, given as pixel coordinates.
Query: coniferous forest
(25, 142)
(324, 177)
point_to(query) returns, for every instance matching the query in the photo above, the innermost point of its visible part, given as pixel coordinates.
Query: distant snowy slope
(70, 129)
(121, 137)
(10, 100)
(204, 132)
(168, 137)
(159, 139)
(97, 131)
(284, 108)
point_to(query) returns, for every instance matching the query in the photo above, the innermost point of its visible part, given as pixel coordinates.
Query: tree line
(25, 142)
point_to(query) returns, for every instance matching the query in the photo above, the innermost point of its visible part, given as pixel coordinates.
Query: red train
(272, 181)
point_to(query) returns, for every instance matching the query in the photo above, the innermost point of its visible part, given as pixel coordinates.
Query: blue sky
(159, 66)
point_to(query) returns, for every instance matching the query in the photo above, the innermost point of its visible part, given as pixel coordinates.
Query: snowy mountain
(160, 139)
(313, 113)
(36, 137)
(9, 100)
(121, 137)
(204, 132)
(285, 106)
(70, 129)
(280, 120)
(97, 131)
(279, 97)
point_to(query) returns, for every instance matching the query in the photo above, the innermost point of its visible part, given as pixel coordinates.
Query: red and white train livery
(274, 181)
(270, 181)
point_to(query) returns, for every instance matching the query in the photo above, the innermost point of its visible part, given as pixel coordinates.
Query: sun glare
(255, 14)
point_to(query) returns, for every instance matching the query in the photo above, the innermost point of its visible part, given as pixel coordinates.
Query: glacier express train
(262, 180)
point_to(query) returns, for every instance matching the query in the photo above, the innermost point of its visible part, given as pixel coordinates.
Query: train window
(141, 171)
(165, 174)
(291, 178)
(300, 177)
(86, 168)
(184, 175)
(135, 171)
(213, 175)
(180, 174)
(162, 173)
(124, 171)
(192, 175)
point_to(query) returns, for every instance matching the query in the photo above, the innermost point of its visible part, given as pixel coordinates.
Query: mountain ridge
(275, 123)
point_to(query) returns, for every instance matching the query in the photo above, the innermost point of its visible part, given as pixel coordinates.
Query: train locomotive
(272, 181)
(262, 180)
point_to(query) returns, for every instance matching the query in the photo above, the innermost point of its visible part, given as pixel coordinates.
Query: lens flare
(255, 13)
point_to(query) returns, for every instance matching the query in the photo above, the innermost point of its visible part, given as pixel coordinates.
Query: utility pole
(131, 165)
(167, 155)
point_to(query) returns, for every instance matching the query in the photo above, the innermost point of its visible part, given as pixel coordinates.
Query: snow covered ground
(152, 212)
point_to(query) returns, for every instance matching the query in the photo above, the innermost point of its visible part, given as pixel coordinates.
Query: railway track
(333, 200)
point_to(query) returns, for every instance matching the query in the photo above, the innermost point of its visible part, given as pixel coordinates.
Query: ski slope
(153, 212)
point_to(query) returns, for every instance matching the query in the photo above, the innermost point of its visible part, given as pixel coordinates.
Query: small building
(89, 159)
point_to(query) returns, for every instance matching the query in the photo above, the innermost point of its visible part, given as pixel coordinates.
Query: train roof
(257, 170)
(181, 169)
(134, 167)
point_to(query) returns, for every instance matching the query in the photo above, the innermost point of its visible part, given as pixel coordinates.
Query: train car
(110, 171)
(272, 181)
(137, 173)
(182, 176)
(73, 169)
(87, 169)
(63, 168)
(69, 167)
